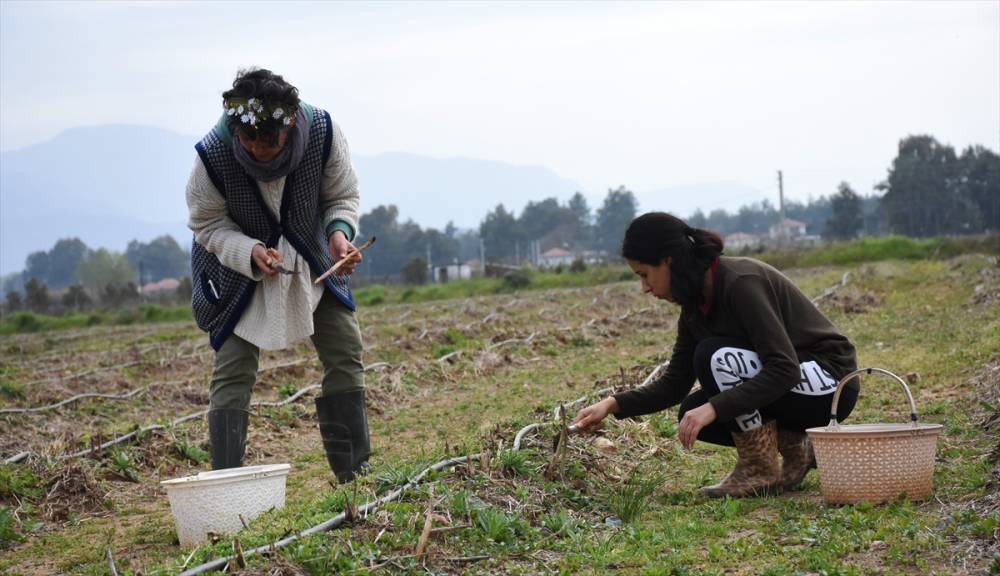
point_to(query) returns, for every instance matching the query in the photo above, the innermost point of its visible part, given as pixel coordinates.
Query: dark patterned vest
(221, 294)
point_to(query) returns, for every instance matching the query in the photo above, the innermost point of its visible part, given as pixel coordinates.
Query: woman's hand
(589, 419)
(339, 247)
(692, 423)
(262, 259)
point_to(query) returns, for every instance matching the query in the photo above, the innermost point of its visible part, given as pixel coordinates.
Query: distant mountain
(106, 185)
(111, 184)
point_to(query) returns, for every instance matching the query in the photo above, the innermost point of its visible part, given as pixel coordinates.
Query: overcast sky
(649, 95)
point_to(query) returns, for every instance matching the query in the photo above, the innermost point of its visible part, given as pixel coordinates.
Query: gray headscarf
(285, 162)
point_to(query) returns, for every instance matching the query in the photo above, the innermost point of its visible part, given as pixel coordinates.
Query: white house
(167, 284)
(554, 257)
(740, 240)
(787, 229)
(444, 274)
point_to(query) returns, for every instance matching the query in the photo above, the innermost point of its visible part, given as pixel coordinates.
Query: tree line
(72, 276)
(930, 190)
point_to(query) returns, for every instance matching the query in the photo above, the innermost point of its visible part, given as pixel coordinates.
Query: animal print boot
(797, 457)
(757, 471)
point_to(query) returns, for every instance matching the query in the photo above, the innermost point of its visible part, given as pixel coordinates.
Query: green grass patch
(881, 249)
(28, 322)
(8, 528)
(18, 481)
(11, 388)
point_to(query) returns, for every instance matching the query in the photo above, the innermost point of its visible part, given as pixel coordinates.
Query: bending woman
(766, 358)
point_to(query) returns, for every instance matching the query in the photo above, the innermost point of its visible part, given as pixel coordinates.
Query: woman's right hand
(264, 259)
(589, 419)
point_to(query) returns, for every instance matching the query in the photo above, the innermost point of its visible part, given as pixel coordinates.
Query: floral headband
(254, 110)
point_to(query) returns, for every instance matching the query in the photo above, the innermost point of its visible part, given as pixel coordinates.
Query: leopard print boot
(797, 457)
(757, 471)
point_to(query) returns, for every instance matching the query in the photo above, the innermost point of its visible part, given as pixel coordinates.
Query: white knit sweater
(280, 312)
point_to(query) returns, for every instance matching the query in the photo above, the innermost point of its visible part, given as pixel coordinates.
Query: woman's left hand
(692, 423)
(339, 247)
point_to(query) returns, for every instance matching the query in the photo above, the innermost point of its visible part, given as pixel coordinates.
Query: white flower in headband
(255, 110)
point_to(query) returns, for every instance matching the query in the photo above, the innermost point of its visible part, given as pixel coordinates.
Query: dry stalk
(428, 524)
(554, 469)
(449, 355)
(829, 291)
(446, 529)
(351, 254)
(241, 561)
(111, 562)
(467, 559)
(512, 341)
(188, 559)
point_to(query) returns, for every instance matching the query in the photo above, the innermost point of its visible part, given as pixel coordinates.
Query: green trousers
(337, 339)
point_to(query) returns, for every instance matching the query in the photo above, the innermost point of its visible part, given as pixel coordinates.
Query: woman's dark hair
(272, 89)
(654, 236)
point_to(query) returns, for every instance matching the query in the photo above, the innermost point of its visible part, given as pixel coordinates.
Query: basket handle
(833, 425)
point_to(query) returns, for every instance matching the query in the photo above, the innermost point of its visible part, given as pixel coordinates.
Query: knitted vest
(221, 294)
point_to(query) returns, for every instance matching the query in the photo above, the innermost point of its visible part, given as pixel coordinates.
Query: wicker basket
(215, 501)
(874, 462)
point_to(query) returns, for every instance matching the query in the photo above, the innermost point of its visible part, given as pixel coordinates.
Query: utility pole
(141, 274)
(482, 257)
(430, 265)
(781, 198)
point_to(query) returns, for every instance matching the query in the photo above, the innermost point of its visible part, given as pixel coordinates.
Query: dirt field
(462, 376)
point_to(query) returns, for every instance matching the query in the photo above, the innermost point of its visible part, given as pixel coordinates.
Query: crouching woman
(767, 360)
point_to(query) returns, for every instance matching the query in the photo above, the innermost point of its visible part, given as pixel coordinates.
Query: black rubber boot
(343, 424)
(227, 435)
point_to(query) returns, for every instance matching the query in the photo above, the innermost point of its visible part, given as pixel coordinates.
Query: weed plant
(628, 500)
(286, 390)
(516, 462)
(559, 522)
(11, 388)
(8, 531)
(190, 451)
(18, 481)
(495, 525)
(121, 464)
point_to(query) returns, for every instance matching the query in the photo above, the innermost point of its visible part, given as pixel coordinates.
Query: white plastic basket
(214, 501)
